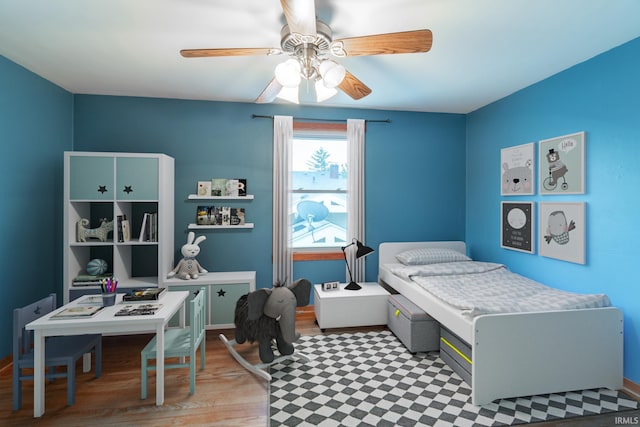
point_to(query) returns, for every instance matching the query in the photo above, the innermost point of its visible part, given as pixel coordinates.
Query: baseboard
(631, 388)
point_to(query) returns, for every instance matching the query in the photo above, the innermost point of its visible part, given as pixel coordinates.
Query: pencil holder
(108, 298)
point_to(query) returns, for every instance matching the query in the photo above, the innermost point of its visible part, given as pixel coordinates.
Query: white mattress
(479, 288)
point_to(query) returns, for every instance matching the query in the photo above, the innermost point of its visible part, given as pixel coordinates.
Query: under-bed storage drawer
(416, 329)
(456, 353)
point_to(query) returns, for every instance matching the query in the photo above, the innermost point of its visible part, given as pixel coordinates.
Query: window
(336, 216)
(318, 204)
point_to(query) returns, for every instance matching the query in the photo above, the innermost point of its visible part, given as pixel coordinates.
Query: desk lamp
(360, 252)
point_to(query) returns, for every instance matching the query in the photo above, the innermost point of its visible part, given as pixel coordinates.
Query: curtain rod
(258, 116)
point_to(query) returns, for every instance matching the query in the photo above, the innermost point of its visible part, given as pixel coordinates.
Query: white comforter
(482, 288)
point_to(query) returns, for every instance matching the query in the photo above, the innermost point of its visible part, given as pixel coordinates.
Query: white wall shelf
(196, 197)
(217, 227)
(192, 226)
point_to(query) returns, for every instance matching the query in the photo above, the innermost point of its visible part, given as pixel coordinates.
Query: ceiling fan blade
(381, 44)
(354, 87)
(301, 16)
(270, 92)
(201, 53)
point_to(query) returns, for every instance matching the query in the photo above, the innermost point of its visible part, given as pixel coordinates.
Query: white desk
(104, 322)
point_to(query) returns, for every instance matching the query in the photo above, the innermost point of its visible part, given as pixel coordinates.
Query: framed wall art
(516, 171)
(562, 169)
(562, 231)
(517, 229)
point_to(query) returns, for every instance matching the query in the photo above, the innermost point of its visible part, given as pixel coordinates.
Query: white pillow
(425, 256)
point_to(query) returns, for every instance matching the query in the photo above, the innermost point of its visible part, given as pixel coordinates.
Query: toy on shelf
(83, 233)
(189, 267)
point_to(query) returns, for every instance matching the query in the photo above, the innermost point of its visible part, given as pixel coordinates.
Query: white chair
(59, 351)
(180, 343)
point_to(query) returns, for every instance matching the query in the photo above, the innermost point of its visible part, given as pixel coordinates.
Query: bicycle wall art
(562, 165)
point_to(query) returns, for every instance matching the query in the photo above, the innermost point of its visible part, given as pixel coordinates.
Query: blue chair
(180, 343)
(59, 351)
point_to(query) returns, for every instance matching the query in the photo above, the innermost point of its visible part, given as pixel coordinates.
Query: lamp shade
(323, 92)
(289, 94)
(332, 73)
(362, 250)
(288, 73)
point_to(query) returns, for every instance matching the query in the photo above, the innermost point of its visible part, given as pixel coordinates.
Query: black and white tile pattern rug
(370, 379)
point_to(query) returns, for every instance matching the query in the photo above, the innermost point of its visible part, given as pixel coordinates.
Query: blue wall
(215, 139)
(35, 128)
(602, 98)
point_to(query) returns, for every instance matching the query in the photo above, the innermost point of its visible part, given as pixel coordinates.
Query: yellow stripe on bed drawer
(453, 347)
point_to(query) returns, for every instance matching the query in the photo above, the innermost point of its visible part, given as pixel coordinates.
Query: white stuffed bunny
(189, 267)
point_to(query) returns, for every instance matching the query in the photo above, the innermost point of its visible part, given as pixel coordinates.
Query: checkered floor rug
(370, 379)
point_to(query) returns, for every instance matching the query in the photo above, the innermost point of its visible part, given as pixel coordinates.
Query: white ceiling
(482, 50)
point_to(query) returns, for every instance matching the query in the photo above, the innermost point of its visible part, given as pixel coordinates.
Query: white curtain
(355, 186)
(282, 145)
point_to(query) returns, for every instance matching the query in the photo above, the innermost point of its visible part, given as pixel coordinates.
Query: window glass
(319, 192)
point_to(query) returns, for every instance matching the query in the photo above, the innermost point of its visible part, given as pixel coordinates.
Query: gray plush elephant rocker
(265, 315)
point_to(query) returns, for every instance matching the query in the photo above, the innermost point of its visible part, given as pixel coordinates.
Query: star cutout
(221, 292)
(127, 189)
(102, 189)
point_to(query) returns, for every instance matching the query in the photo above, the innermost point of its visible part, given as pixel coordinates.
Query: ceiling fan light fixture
(288, 73)
(332, 73)
(289, 94)
(323, 92)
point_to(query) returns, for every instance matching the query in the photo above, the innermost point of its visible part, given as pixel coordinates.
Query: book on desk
(138, 310)
(143, 294)
(77, 311)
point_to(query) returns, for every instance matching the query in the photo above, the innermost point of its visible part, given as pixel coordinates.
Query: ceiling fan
(309, 44)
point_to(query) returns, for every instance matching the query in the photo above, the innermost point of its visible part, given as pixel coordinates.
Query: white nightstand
(344, 308)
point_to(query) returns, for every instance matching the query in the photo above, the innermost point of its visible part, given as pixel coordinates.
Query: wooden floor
(226, 394)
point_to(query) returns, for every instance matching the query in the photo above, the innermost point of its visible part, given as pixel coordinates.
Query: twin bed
(542, 341)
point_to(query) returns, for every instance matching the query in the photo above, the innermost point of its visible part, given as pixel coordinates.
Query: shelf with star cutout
(119, 208)
(224, 288)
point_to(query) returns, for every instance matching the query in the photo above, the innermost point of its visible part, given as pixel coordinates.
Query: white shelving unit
(103, 186)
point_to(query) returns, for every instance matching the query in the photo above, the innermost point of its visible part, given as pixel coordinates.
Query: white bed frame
(524, 354)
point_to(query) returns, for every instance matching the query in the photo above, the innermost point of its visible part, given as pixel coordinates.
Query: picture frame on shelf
(517, 166)
(206, 215)
(517, 226)
(562, 165)
(204, 188)
(232, 187)
(218, 187)
(562, 231)
(237, 216)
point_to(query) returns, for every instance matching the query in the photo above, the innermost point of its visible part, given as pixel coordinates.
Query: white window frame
(355, 130)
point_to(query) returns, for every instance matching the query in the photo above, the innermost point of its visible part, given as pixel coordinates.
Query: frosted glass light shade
(323, 92)
(289, 94)
(288, 73)
(332, 73)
